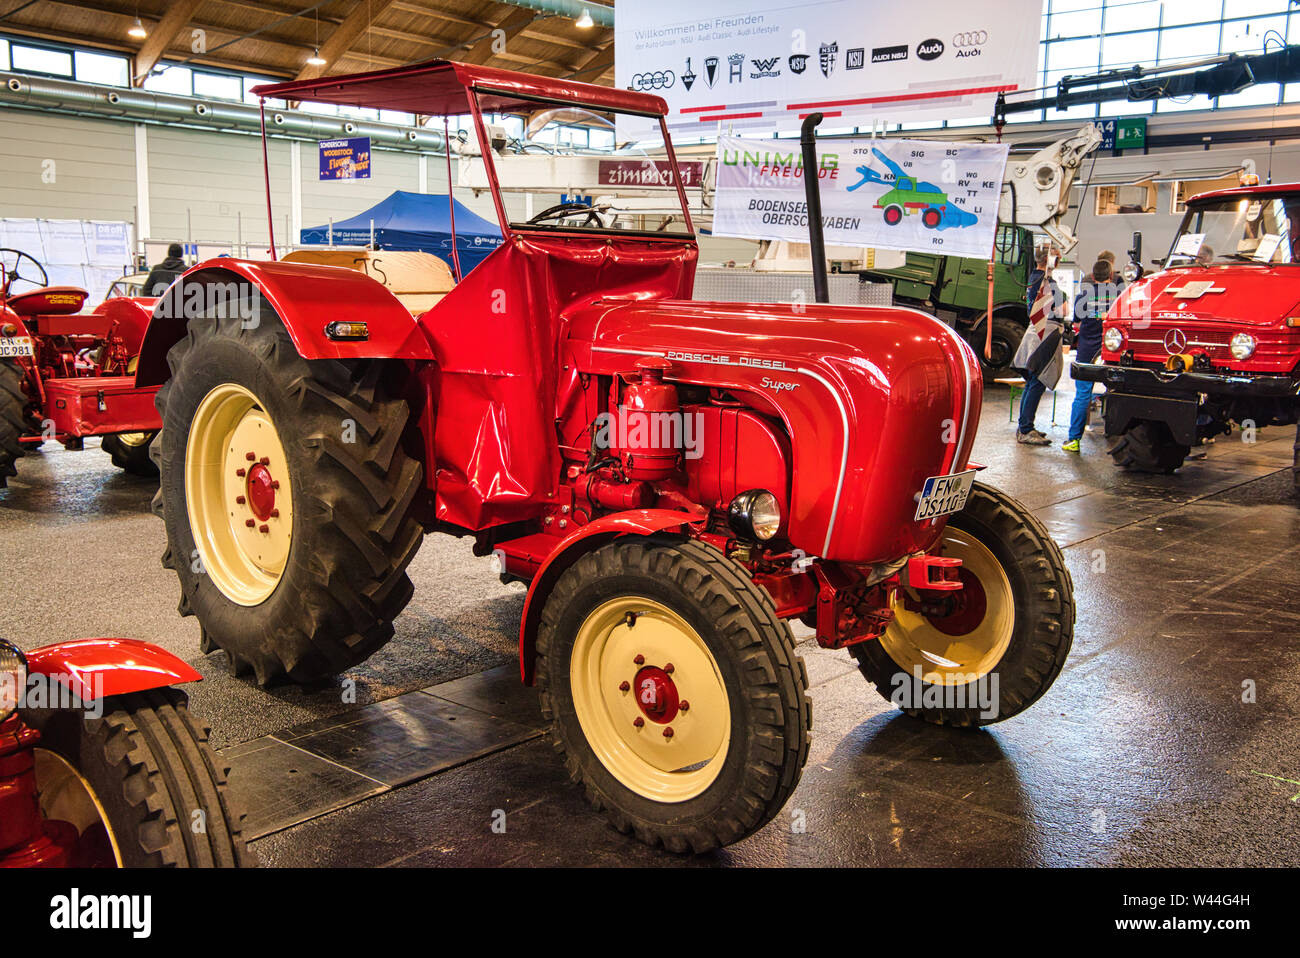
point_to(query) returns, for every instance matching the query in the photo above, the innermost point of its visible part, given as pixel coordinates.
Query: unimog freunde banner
(762, 65)
(920, 195)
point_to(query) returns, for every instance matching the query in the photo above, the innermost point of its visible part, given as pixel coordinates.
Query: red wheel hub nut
(261, 494)
(656, 694)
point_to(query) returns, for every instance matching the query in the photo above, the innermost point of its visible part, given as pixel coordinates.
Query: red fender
(103, 667)
(574, 546)
(306, 297)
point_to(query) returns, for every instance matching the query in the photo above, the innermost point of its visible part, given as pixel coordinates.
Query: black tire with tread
(354, 532)
(1295, 462)
(1005, 329)
(135, 459)
(13, 418)
(1043, 629)
(766, 684)
(1147, 447)
(149, 764)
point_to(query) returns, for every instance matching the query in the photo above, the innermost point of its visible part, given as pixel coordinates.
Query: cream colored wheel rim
(134, 439)
(64, 795)
(912, 641)
(642, 757)
(243, 547)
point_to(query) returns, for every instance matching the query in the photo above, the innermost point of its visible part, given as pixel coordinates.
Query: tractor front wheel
(130, 452)
(1147, 447)
(288, 499)
(893, 215)
(677, 700)
(931, 218)
(138, 786)
(1003, 643)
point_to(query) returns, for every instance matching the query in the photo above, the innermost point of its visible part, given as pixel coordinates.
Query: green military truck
(956, 290)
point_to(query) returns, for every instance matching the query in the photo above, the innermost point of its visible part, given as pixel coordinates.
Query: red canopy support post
(451, 200)
(266, 176)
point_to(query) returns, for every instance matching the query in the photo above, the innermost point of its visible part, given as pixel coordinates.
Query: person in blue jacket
(1091, 304)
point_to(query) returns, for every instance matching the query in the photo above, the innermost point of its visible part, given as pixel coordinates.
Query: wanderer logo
(765, 68)
(930, 49)
(658, 80)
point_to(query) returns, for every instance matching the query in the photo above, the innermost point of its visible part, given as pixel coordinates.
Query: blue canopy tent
(415, 221)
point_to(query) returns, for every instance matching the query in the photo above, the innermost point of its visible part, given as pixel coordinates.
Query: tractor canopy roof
(441, 88)
(1248, 192)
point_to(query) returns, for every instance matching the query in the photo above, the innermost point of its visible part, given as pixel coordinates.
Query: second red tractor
(676, 481)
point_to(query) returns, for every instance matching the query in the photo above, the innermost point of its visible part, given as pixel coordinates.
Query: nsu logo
(968, 42)
(930, 49)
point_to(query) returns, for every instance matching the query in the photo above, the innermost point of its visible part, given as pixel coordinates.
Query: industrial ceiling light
(584, 22)
(137, 30)
(316, 59)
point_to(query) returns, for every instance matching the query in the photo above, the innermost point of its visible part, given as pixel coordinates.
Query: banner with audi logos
(913, 195)
(760, 65)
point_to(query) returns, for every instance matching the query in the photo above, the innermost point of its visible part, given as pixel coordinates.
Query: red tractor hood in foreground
(875, 400)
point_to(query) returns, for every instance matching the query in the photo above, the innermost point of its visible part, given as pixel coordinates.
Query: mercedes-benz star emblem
(1175, 341)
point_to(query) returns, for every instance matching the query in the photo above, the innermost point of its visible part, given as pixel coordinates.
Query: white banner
(922, 195)
(762, 65)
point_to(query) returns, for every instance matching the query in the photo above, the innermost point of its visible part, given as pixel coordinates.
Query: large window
(1088, 36)
(56, 60)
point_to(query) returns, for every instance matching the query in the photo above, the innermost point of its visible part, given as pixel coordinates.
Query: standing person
(1039, 354)
(1093, 302)
(165, 273)
(1109, 257)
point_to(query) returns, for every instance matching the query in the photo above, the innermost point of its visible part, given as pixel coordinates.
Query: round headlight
(13, 678)
(754, 514)
(1130, 272)
(1112, 339)
(1242, 346)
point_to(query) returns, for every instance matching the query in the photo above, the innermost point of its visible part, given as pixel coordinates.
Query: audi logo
(659, 80)
(1175, 341)
(971, 38)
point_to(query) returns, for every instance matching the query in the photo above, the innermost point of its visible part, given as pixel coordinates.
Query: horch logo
(855, 58)
(765, 68)
(798, 62)
(737, 63)
(888, 54)
(925, 50)
(969, 42)
(828, 53)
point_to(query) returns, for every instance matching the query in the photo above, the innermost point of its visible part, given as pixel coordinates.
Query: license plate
(12, 347)
(944, 495)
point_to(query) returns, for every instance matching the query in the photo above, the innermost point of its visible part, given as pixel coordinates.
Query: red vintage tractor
(65, 374)
(674, 480)
(102, 765)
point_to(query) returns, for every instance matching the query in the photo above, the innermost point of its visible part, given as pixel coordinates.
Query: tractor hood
(875, 401)
(1245, 294)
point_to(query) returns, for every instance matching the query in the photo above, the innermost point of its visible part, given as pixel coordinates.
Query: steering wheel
(561, 210)
(14, 273)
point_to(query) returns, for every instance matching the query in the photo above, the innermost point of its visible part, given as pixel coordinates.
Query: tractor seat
(48, 301)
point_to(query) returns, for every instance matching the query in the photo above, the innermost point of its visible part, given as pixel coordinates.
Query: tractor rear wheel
(288, 498)
(1003, 644)
(893, 215)
(677, 700)
(1295, 462)
(931, 218)
(130, 452)
(13, 418)
(1147, 447)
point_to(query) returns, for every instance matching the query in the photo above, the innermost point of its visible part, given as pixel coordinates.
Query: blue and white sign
(345, 159)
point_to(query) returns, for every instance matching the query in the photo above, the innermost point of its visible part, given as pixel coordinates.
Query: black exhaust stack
(812, 191)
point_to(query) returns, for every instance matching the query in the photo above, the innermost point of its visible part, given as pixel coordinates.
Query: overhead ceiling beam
(535, 33)
(595, 66)
(422, 11)
(511, 25)
(161, 36)
(345, 34)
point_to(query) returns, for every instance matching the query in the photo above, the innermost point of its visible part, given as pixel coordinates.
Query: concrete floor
(1143, 753)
